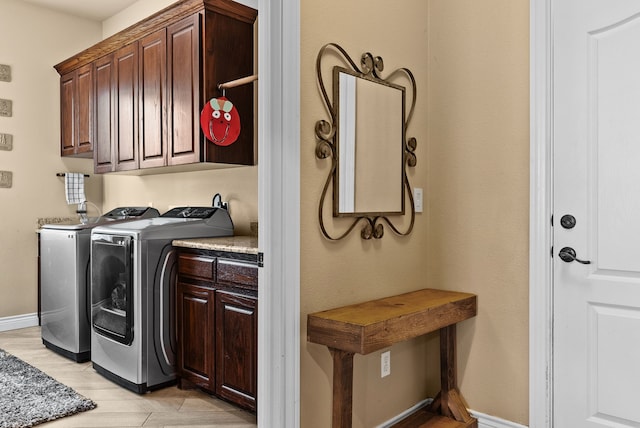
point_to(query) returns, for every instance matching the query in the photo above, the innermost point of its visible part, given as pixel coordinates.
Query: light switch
(417, 199)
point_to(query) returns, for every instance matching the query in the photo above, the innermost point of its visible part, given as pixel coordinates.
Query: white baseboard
(406, 413)
(484, 420)
(488, 421)
(18, 321)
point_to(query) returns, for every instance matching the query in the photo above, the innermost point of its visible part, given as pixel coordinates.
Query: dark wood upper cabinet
(126, 107)
(183, 64)
(150, 82)
(103, 150)
(67, 114)
(152, 94)
(84, 127)
(76, 112)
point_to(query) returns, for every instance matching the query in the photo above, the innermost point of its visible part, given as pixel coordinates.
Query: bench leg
(342, 388)
(449, 401)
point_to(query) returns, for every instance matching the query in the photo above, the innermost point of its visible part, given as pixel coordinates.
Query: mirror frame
(327, 140)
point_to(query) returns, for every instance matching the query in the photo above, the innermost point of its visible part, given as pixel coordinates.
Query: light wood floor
(117, 407)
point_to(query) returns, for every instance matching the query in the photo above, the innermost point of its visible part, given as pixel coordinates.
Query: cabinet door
(126, 111)
(237, 348)
(67, 115)
(183, 77)
(84, 110)
(76, 108)
(103, 158)
(195, 315)
(152, 94)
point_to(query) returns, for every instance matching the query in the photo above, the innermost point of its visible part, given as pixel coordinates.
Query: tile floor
(117, 407)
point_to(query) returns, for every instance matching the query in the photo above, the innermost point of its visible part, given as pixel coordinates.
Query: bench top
(369, 326)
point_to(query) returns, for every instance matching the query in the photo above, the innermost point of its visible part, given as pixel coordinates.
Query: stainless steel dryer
(64, 281)
(134, 267)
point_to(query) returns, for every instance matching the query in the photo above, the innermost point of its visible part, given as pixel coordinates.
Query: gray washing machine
(65, 281)
(134, 268)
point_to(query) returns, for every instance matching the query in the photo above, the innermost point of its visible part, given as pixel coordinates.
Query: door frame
(279, 213)
(541, 376)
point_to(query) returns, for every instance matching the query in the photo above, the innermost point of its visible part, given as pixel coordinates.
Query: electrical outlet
(417, 199)
(385, 364)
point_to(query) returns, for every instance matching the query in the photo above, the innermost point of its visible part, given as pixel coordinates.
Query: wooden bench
(377, 324)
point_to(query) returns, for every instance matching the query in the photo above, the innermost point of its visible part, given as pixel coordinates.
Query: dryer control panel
(131, 212)
(190, 212)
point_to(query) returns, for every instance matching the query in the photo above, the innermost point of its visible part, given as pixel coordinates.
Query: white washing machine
(65, 281)
(134, 269)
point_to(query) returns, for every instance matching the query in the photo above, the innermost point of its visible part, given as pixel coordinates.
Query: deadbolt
(568, 221)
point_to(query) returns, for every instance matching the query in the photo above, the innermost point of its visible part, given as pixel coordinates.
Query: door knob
(568, 254)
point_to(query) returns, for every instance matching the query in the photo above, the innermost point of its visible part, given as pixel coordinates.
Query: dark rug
(29, 397)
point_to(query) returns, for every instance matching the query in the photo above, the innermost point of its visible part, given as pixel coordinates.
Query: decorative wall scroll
(6, 142)
(6, 179)
(5, 73)
(6, 108)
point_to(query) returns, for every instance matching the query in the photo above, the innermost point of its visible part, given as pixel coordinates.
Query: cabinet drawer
(196, 266)
(236, 272)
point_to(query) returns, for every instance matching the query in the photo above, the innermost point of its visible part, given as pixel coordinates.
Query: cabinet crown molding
(163, 18)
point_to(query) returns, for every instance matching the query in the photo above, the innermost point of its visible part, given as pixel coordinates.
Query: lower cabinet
(217, 325)
(236, 348)
(195, 314)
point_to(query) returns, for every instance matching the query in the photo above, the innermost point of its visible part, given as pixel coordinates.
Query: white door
(596, 140)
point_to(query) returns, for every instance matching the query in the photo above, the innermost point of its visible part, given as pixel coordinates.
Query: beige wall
(238, 186)
(470, 60)
(134, 13)
(33, 40)
(478, 189)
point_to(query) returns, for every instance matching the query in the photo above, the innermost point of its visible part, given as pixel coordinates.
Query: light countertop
(234, 244)
(56, 220)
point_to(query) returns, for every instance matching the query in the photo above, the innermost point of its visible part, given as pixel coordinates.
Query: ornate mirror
(366, 142)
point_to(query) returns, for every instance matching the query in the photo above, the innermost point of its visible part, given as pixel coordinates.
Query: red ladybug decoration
(220, 121)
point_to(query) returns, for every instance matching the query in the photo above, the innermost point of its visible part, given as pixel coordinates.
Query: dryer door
(112, 302)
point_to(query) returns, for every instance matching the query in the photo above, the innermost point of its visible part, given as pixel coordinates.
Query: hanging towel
(74, 187)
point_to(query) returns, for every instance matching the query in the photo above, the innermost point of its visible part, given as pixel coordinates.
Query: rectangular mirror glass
(370, 120)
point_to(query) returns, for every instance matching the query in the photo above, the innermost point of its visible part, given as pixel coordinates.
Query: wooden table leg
(342, 388)
(449, 401)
